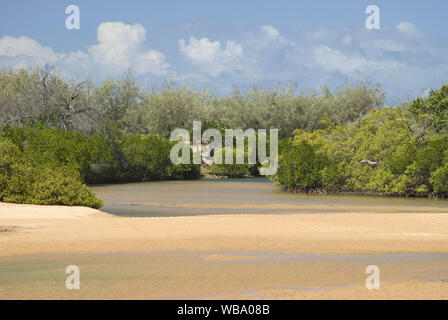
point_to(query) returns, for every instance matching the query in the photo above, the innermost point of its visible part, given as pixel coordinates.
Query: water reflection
(236, 196)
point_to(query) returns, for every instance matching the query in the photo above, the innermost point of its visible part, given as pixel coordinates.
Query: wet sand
(224, 256)
(47, 229)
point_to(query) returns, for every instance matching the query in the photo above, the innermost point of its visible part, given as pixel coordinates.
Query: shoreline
(57, 229)
(244, 256)
(360, 193)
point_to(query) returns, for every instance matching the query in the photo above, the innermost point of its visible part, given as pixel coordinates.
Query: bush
(48, 186)
(235, 170)
(409, 157)
(55, 147)
(185, 171)
(147, 158)
(62, 186)
(439, 180)
(23, 182)
(229, 170)
(300, 166)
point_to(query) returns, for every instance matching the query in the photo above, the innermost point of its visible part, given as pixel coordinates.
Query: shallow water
(206, 274)
(219, 274)
(235, 196)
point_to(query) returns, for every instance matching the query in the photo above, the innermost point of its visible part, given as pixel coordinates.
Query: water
(180, 274)
(236, 196)
(208, 274)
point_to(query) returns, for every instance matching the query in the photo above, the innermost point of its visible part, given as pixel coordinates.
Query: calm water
(234, 196)
(206, 274)
(219, 273)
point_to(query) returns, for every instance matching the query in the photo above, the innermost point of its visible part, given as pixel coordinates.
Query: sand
(37, 230)
(55, 229)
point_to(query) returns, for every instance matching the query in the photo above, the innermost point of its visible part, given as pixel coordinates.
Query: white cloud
(408, 28)
(26, 47)
(152, 62)
(270, 32)
(389, 45)
(400, 57)
(333, 60)
(318, 57)
(121, 47)
(210, 56)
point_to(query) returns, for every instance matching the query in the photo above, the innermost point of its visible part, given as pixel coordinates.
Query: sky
(217, 45)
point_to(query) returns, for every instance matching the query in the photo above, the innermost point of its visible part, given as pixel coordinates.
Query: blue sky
(216, 45)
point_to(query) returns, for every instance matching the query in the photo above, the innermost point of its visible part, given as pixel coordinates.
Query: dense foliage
(50, 166)
(147, 158)
(57, 135)
(234, 170)
(23, 180)
(394, 151)
(33, 97)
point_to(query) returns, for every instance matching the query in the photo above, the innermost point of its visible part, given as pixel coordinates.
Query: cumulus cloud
(408, 28)
(26, 51)
(319, 57)
(211, 57)
(120, 47)
(400, 57)
(333, 60)
(389, 45)
(270, 31)
(117, 45)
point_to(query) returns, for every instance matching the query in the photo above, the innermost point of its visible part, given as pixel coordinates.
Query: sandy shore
(53, 229)
(34, 230)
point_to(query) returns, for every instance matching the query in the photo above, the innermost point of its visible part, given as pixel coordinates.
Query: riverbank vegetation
(400, 151)
(57, 136)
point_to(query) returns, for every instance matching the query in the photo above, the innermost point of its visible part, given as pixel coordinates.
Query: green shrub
(55, 147)
(300, 166)
(439, 180)
(147, 158)
(229, 170)
(185, 171)
(409, 157)
(62, 186)
(48, 186)
(23, 182)
(235, 170)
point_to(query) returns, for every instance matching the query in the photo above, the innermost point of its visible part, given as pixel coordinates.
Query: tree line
(31, 97)
(118, 132)
(401, 151)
